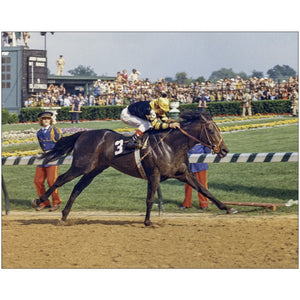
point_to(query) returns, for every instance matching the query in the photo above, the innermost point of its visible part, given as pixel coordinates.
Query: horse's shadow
(77, 222)
(284, 194)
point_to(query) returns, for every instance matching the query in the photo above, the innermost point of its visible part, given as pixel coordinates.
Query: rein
(215, 148)
(192, 137)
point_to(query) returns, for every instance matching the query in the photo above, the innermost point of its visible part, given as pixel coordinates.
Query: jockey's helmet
(164, 103)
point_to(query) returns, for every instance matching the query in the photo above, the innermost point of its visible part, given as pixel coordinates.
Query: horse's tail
(64, 146)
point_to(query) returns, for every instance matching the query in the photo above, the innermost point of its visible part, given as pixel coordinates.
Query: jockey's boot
(135, 140)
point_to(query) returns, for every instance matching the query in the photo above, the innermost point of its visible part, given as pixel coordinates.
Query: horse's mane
(189, 116)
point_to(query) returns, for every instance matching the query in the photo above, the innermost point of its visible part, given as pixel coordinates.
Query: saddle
(120, 150)
(120, 145)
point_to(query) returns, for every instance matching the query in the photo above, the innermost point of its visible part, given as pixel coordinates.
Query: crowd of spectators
(10, 38)
(127, 89)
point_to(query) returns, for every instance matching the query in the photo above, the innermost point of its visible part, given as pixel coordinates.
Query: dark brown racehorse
(164, 155)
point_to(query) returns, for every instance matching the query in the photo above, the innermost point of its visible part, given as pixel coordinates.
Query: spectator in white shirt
(134, 76)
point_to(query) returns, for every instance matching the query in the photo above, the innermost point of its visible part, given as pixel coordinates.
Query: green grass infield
(236, 182)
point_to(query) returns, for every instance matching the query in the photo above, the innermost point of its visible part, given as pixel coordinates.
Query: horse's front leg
(153, 183)
(192, 180)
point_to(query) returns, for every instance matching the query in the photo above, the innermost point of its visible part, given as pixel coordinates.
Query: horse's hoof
(232, 211)
(35, 203)
(148, 223)
(61, 223)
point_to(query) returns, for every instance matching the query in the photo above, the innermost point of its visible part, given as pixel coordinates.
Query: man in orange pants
(200, 171)
(47, 136)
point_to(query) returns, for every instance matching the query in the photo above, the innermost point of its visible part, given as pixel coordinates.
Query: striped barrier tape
(193, 158)
(33, 160)
(245, 158)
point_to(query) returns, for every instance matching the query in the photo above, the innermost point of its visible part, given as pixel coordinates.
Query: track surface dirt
(113, 240)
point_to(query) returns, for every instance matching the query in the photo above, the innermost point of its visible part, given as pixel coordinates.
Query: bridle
(211, 145)
(215, 148)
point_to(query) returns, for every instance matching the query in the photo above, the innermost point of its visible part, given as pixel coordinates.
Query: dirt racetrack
(113, 240)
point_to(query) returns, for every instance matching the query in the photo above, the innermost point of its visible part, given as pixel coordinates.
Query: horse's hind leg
(160, 201)
(79, 187)
(61, 180)
(153, 184)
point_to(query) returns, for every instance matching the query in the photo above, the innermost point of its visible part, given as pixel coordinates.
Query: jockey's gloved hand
(174, 125)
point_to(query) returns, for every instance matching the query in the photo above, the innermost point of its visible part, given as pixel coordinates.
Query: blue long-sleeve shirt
(48, 139)
(199, 149)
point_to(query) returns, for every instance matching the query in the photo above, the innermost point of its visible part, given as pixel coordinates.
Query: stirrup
(132, 144)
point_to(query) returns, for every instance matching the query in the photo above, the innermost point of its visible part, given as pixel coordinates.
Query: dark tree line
(276, 73)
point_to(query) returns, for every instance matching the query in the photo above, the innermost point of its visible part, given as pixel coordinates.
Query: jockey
(145, 115)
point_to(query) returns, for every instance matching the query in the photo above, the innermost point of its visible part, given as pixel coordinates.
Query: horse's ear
(203, 117)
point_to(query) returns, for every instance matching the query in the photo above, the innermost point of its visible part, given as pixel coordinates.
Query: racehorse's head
(206, 131)
(213, 136)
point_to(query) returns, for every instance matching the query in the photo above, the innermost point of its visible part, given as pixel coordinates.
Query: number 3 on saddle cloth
(120, 149)
(120, 145)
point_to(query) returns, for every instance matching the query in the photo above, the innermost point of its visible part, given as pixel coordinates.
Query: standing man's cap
(45, 114)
